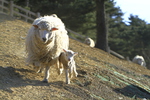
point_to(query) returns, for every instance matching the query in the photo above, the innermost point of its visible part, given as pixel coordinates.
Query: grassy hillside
(101, 75)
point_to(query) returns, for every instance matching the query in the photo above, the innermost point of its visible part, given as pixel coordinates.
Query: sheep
(89, 42)
(44, 42)
(139, 60)
(67, 62)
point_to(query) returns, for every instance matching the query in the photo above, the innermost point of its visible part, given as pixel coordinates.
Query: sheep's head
(45, 31)
(87, 41)
(69, 54)
(140, 61)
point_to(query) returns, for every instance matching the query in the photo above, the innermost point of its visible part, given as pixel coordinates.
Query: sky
(135, 7)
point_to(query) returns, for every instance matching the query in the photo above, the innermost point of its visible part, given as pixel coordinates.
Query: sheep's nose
(69, 59)
(44, 39)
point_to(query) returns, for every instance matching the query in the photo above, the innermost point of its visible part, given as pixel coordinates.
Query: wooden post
(38, 15)
(2, 3)
(11, 8)
(25, 17)
(127, 58)
(108, 49)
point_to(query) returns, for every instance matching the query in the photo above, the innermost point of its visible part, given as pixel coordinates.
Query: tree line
(100, 20)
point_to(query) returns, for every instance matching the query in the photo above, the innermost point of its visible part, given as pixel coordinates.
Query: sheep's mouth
(48, 41)
(44, 40)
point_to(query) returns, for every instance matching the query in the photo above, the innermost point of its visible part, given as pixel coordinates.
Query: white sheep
(67, 62)
(139, 60)
(45, 41)
(89, 42)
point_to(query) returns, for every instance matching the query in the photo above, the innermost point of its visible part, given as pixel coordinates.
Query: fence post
(38, 15)
(26, 19)
(108, 49)
(11, 8)
(127, 58)
(2, 3)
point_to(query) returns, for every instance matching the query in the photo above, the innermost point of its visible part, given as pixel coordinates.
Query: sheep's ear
(35, 26)
(64, 50)
(54, 29)
(54, 15)
(75, 53)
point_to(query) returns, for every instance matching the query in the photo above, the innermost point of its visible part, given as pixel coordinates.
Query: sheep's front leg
(70, 72)
(67, 76)
(46, 74)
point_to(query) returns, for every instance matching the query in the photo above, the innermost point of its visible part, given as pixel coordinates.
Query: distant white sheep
(89, 42)
(45, 41)
(139, 60)
(67, 62)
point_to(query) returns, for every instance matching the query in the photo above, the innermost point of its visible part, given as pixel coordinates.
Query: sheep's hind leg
(40, 69)
(46, 74)
(59, 67)
(75, 71)
(70, 72)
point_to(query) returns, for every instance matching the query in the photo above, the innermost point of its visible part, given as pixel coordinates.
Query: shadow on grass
(76, 90)
(134, 92)
(12, 77)
(9, 77)
(147, 76)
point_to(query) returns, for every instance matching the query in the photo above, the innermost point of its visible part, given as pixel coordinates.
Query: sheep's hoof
(45, 81)
(67, 82)
(76, 75)
(60, 71)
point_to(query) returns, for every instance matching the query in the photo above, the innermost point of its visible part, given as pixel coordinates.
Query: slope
(101, 75)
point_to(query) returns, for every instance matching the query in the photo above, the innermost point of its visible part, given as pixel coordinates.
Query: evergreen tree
(101, 41)
(80, 16)
(140, 36)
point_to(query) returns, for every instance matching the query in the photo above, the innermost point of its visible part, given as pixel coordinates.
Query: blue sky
(135, 7)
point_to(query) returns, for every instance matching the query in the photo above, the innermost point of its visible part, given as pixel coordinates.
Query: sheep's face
(46, 35)
(87, 41)
(45, 32)
(69, 55)
(140, 61)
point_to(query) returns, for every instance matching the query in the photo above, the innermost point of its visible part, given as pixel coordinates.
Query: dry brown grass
(101, 75)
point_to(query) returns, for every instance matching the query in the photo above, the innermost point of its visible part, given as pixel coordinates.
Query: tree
(140, 35)
(101, 41)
